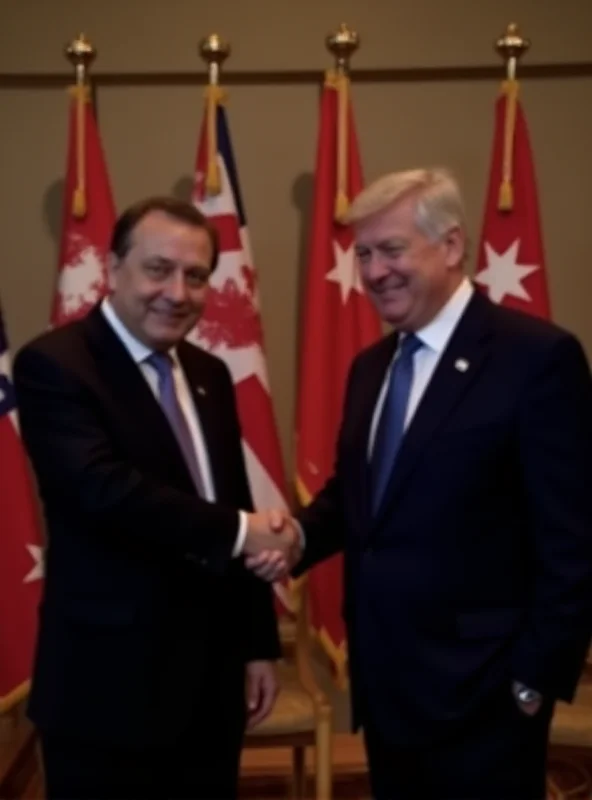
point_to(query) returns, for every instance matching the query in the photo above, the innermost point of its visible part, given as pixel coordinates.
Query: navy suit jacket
(477, 569)
(146, 618)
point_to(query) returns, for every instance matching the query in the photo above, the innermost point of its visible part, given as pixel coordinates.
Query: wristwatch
(526, 695)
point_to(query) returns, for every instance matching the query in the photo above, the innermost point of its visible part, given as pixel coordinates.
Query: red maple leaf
(230, 317)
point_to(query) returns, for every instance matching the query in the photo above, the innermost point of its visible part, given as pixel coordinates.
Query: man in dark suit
(461, 501)
(151, 628)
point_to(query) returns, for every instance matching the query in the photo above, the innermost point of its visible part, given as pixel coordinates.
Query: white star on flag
(504, 275)
(36, 573)
(345, 272)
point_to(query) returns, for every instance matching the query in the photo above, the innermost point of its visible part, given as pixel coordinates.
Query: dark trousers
(500, 754)
(203, 764)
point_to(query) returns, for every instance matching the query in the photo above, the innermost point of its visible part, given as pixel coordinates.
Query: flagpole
(214, 52)
(342, 45)
(80, 53)
(511, 47)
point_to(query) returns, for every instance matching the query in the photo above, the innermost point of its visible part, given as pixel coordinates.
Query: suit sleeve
(556, 458)
(79, 468)
(322, 521)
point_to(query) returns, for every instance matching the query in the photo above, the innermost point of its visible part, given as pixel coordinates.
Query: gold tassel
(81, 95)
(214, 96)
(506, 191)
(340, 83)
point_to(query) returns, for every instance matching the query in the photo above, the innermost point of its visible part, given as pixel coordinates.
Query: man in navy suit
(150, 626)
(461, 501)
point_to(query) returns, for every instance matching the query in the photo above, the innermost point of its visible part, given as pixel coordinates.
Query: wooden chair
(571, 739)
(302, 716)
(19, 764)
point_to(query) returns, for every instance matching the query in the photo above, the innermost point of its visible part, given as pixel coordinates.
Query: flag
(20, 548)
(338, 321)
(88, 216)
(231, 325)
(511, 260)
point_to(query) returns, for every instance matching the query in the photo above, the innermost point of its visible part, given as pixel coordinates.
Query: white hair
(439, 203)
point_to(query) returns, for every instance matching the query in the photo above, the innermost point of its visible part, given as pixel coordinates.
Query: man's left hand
(262, 690)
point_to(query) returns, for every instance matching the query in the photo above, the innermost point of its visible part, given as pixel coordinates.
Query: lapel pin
(461, 364)
(201, 390)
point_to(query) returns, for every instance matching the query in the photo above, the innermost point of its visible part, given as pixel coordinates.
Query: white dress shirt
(434, 337)
(139, 353)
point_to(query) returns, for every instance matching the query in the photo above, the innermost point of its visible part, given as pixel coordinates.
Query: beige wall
(425, 82)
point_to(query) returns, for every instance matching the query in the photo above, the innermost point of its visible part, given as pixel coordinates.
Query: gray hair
(439, 204)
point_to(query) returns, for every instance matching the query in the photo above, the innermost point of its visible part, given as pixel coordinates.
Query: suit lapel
(122, 379)
(459, 365)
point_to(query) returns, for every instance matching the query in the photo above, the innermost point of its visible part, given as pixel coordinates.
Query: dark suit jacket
(146, 619)
(477, 568)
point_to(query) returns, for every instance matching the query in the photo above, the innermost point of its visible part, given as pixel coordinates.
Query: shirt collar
(137, 349)
(436, 333)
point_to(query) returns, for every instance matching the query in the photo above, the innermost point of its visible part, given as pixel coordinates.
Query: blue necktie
(163, 364)
(391, 427)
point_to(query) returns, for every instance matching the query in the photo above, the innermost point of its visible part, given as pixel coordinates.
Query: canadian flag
(511, 261)
(231, 325)
(88, 217)
(21, 565)
(338, 320)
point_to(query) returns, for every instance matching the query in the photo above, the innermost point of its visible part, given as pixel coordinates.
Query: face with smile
(408, 275)
(159, 287)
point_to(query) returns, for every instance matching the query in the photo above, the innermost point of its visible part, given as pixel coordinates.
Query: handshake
(273, 544)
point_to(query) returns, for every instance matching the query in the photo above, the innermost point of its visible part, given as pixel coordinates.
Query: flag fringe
(304, 496)
(13, 698)
(214, 97)
(506, 190)
(339, 81)
(336, 653)
(286, 594)
(81, 96)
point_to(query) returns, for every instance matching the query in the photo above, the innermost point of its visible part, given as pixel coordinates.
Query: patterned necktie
(391, 427)
(163, 364)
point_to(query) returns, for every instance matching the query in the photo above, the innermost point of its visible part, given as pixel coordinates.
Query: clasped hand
(272, 545)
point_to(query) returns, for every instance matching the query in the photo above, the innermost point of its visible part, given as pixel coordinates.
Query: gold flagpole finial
(80, 53)
(214, 51)
(511, 47)
(342, 45)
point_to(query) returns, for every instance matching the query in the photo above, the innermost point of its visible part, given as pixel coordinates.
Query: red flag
(511, 261)
(338, 321)
(20, 548)
(88, 217)
(231, 325)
